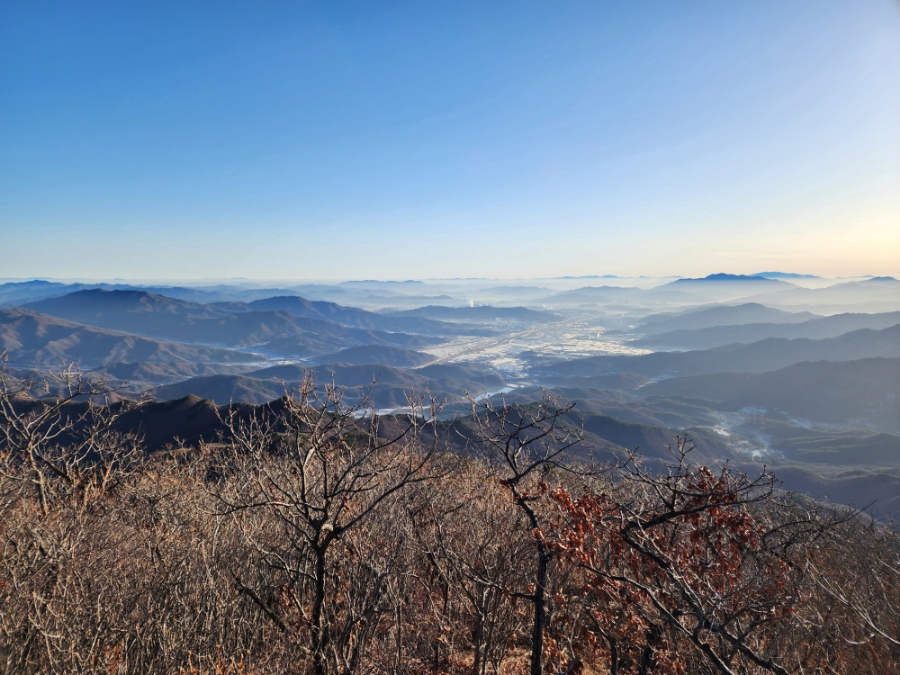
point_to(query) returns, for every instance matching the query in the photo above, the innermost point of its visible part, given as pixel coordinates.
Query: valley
(750, 382)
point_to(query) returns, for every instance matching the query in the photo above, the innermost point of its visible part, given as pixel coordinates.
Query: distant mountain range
(149, 313)
(785, 275)
(32, 339)
(278, 333)
(713, 288)
(589, 294)
(728, 278)
(227, 324)
(718, 335)
(769, 354)
(725, 315)
(103, 328)
(813, 391)
(15, 294)
(878, 294)
(407, 322)
(720, 287)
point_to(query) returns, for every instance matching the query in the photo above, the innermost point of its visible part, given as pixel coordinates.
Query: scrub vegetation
(318, 537)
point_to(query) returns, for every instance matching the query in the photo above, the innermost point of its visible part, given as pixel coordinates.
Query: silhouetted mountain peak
(785, 275)
(722, 276)
(100, 299)
(35, 283)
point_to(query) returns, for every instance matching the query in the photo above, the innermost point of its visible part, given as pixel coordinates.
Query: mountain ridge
(715, 336)
(32, 339)
(761, 356)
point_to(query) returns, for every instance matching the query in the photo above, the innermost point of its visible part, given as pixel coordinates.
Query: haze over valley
(734, 360)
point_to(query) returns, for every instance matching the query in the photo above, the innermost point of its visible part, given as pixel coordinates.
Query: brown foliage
(323, 540)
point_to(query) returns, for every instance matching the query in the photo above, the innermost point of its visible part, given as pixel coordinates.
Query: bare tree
(521, 443)
(468, 538)
(57, 430)
(59, 456)
(851, 618)
(322, 468)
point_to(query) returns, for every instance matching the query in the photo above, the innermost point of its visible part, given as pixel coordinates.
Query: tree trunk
(540, 612)
(478, 639)
(538, 597)
(319, 627)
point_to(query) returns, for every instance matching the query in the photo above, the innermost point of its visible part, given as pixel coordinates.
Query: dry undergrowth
(319, 540)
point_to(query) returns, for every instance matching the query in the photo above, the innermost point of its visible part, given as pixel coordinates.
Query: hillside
(391, 385)
(596, 294)
(726, 315)
(823, 444)
(144, 374)
(233, 324)
(360, 318)
(32, 339)
(878, 294)
(389, 356)
(843, 392)
(878, 491)
(323, 340)
(725, 286)
(139, 312)
(770, 434)
(765, 355)
(816, 329)
(15, 294)
(626, 381)
(192, 418)
(222, 389)
(651, 440)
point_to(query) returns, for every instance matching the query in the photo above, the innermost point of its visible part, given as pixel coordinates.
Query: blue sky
(398, 140)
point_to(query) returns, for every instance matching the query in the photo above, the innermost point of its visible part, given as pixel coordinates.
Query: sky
(357, 140)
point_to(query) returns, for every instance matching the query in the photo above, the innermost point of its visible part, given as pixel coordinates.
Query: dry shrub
(318, 541)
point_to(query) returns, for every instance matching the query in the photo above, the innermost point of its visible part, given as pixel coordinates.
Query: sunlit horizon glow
(398, 141)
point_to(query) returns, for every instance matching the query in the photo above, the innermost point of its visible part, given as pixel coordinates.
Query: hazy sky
(392, 140)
